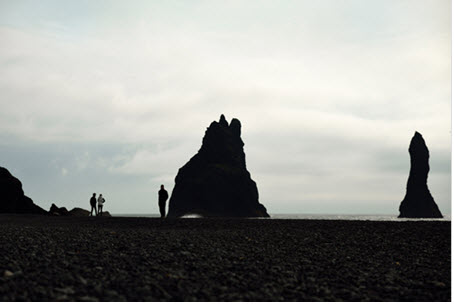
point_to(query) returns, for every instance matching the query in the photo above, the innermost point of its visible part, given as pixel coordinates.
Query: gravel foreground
(45, 258)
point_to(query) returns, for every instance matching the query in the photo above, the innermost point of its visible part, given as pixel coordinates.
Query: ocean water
(345, 217)
(354, 217)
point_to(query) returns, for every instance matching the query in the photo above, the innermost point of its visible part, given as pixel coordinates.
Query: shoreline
(45, 258)
(335, 217)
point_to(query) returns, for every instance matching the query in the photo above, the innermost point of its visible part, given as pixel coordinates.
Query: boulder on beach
(62, 211)
(79, 212)
(12, 198)
(215, 181)
(54, 210)
(418, 202)
(106, 214)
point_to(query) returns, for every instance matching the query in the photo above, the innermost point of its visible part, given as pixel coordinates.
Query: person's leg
(162, 209)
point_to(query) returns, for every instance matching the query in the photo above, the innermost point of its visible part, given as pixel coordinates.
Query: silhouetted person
(101, 201)
(163, 196)
(93, 204)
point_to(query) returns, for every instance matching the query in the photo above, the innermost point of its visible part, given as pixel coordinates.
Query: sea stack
(418, 202)
(215, 181)
(12, 198)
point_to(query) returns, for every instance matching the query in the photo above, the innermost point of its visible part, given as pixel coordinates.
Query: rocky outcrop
(54, 210)
(12, 198)
(106, 214)
(62, 211)
(79, 212)
(215, 181)
(418, 202)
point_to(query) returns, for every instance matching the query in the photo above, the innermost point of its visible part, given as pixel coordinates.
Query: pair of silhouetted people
(163, 196)
(100, 202)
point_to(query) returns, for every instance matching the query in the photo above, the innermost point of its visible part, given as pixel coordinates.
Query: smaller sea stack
(418, 202)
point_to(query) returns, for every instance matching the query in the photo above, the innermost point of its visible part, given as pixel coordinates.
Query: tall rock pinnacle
(418, 202)
(215, 181)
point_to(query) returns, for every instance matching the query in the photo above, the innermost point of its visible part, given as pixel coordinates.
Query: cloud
(329, 93)
(160, 162)
(64, 171)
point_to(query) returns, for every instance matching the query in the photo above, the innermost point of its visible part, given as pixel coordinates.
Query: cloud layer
(115, 98)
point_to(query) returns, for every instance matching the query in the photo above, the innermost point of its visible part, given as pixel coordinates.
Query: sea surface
(345, 217)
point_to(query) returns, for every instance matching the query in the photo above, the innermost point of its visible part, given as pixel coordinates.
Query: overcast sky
(114, 97)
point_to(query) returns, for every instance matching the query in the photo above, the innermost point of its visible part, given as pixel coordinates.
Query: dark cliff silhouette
(12, 198)
(215, 181)
(418, 202)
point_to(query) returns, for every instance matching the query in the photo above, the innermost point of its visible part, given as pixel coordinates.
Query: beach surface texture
(44, 258)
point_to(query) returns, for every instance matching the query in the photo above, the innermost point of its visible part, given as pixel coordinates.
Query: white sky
(114, 97)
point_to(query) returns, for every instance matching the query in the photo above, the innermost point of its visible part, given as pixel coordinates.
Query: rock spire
(418, 202)
(215, 181)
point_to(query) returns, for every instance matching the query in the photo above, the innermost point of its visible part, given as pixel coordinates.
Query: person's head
(162, 187)
(100, 194)
(94, 194)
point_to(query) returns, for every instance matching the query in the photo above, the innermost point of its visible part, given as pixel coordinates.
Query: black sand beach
(47, 258)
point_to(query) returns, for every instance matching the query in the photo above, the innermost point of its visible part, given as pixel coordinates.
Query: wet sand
(45, 258)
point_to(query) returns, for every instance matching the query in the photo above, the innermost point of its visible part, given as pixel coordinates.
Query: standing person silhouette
(93, 204)
(101, 201)
(163, 196)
